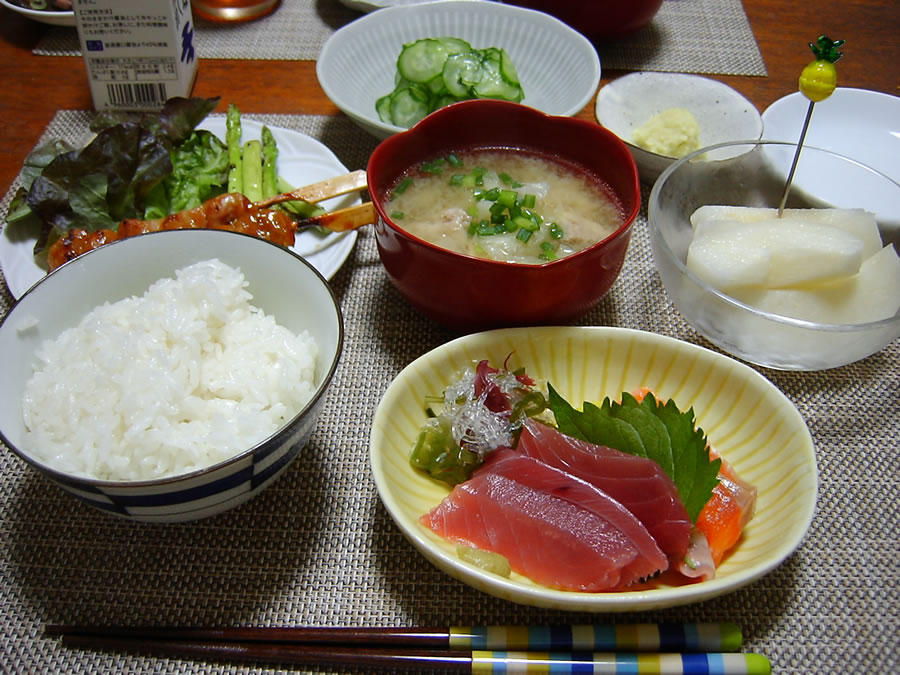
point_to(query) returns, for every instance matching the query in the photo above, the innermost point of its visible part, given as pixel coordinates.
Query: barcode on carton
(140, 94)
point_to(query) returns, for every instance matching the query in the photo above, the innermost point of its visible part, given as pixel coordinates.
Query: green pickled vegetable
(435, 72)
(487, 560)
(439, 455)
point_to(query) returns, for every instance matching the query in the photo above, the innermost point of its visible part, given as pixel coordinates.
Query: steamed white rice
(183, 377)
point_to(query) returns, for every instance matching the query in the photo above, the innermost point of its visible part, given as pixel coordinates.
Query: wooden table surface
(35, 87)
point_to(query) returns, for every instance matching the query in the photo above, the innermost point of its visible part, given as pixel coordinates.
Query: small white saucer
(857, 123)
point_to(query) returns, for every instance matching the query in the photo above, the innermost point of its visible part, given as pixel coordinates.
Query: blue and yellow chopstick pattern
(639, 637)
(608, 663)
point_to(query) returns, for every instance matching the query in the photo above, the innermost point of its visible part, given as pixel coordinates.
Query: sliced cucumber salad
(434, 72)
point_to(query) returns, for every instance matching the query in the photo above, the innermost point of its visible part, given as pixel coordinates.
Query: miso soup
(504, 204)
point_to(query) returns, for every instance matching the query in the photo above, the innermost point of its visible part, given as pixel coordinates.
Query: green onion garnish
(402, 185)
(509, 180)
(507, 198)
(434, 166)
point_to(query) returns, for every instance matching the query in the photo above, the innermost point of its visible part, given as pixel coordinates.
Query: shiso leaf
(595, 422)
(696, 475)
(665, 434)
(651, 429)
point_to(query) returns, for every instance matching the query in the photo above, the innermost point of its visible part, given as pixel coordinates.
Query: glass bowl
(756, 176)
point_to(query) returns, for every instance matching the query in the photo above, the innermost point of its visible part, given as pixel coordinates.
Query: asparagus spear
(233, 141)
(270, 159)
(252, 170)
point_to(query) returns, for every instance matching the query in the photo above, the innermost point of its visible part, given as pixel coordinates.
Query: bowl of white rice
(170, 376)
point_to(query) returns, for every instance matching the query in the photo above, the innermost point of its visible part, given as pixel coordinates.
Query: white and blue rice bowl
(283, 285)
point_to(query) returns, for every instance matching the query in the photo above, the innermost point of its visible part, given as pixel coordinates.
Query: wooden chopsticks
(636, 648)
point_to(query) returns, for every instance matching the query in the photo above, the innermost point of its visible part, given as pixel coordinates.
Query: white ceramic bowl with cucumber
(809, 290)
(389, 68)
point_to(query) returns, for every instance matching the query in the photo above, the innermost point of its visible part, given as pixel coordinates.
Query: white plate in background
(857, 123)
(43, 15)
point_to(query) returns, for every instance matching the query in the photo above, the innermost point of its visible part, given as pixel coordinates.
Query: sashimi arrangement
(615, 497)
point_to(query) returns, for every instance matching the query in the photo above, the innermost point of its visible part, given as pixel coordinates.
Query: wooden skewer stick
(317, 192)
(343, 220)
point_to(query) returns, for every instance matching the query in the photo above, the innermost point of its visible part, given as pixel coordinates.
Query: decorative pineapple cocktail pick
(817, 82)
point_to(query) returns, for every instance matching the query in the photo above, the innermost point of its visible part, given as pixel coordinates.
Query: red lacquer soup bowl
(467, 293)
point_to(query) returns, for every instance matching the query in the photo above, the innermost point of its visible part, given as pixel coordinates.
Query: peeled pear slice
(858, 222)
(772, 253)
(871, 295)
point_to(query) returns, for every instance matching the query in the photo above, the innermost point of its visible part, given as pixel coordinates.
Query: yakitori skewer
(230, 211)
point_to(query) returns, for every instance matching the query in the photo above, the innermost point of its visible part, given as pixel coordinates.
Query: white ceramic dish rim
(712, 84)
(274, 439)
(44, 16)
(593, 602)
(777, 318)
(838, 131)
(371, 119)
(372, 5)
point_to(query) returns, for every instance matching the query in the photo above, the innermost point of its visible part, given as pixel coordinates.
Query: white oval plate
(44, 16)
(748, 420)
(301, 160)
(857, 123)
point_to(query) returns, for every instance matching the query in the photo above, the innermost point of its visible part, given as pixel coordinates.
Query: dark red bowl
(467, 293)
(598, 19)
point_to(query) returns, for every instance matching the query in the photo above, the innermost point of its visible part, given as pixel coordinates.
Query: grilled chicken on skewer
(226, 212)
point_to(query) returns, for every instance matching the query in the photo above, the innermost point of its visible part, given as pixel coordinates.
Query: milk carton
(138, 53)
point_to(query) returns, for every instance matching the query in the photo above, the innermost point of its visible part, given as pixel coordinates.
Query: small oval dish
(625, 104)
(749, 421)
(357, 64)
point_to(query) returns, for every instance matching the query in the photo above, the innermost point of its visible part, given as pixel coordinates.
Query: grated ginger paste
(674, 132)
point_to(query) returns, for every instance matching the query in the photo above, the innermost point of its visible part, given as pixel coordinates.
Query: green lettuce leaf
(199, 172)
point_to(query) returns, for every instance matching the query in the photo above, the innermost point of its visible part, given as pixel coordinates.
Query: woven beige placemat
(697, 36)
(318, 547)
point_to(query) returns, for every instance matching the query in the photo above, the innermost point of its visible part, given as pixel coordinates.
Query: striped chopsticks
(638, 649)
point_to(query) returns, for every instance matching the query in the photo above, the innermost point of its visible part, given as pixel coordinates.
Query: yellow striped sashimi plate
(747, 419)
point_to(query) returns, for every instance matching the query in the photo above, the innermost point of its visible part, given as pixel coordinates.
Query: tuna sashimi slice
(638, 483)
(545, 478)
(551, 539)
